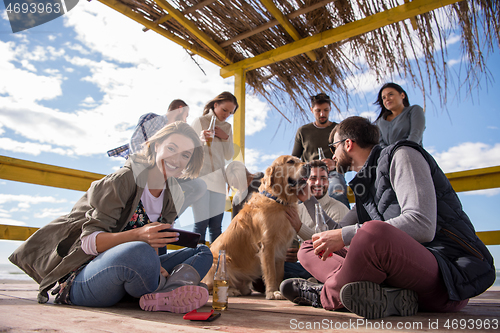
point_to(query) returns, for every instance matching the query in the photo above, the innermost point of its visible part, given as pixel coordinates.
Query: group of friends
(405, 245)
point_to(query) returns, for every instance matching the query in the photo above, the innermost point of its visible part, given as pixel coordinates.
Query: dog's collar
(270, 196)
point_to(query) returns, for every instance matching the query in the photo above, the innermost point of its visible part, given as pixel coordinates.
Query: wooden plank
(477, 179)
(203, 37)
(341, 33)
(21, 233)
(489, 237)
(45, 174)
(285, 23)
(274, 22)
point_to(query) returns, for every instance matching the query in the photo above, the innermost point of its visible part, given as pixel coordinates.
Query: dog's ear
(268, 179)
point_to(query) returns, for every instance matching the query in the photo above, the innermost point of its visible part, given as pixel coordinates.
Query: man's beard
(324, 192)
(322, 122)
(344, 163)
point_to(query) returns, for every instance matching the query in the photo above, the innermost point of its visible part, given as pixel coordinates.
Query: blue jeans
(193, 190)
(132, 268)
(337, 187)
(295, 270)
(208, 212)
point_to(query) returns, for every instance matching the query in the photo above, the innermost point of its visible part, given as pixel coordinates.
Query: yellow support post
(285, 23)
(349, 30)
(121, 8)
(44, 174)
(239, 116)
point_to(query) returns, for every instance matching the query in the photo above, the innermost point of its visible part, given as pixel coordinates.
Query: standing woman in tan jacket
(209, 210)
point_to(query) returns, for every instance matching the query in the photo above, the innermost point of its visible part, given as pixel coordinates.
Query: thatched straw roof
(229, 31)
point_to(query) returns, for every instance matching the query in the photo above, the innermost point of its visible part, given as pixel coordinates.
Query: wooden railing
(49, 175)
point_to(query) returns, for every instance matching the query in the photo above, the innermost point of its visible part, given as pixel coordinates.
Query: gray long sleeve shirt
(411, 180)
(409, 125)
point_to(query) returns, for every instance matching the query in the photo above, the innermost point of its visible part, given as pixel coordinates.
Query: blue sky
(73, 88)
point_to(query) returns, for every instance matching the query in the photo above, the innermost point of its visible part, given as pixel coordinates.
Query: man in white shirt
(318, 185)
(303, 223)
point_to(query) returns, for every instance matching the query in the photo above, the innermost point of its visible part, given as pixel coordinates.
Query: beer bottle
(320, 220)
(221, 284)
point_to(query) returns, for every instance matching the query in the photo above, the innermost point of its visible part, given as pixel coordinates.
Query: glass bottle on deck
(221, 285)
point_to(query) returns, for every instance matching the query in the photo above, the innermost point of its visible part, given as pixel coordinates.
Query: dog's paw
(233, 292)
(274, 295)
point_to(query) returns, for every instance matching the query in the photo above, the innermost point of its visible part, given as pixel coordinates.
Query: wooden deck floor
(19, 312)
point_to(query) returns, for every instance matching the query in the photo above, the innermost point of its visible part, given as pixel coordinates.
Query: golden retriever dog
(258, 237)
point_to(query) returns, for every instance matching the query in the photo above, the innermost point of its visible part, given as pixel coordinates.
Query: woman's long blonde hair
(195, 163)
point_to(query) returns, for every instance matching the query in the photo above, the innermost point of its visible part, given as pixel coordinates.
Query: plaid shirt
(148, 125)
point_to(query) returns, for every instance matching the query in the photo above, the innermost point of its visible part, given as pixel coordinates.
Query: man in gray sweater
(407, 231)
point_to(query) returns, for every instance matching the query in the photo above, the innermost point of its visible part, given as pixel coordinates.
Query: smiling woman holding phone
(106, 247)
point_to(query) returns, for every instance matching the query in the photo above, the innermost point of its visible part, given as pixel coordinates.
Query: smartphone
(186, 238)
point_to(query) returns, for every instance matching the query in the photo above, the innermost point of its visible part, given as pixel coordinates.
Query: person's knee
(140, 256)
(305, 249)
(205, 252)
(376, 232)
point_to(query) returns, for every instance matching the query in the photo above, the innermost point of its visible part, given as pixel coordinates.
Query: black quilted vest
(464, 261)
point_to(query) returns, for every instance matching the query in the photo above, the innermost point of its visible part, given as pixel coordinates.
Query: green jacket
(108, 205)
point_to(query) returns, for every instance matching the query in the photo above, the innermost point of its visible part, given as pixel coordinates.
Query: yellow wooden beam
(44, 174)
(14, 232)
(477, 179)
(203, 37)
(121, 8)
(239, 116)
(21, 233)
(285, 23)
(274, 22)
(489, 237)
(346, 31)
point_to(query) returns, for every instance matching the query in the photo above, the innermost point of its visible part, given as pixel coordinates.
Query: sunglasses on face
(334, 145)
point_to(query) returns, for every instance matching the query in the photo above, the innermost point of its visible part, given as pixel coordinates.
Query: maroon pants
(381, 253)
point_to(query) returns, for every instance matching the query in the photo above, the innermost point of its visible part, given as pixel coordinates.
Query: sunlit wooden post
(239, 116)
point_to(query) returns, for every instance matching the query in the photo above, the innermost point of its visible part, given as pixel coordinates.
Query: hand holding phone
(186, 238)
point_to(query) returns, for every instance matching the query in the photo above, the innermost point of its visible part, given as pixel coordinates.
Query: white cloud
(24, 86)
(255, 115)
(489, 192)
(25, 201)
(255, 161)
(338, 117)
(11, 222)
(88, 102)
(134, 72)
(50, 212)
(468, 155)
(31, 148)
(4, 213)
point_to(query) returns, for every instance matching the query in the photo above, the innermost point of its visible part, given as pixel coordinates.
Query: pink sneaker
(179, 300)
